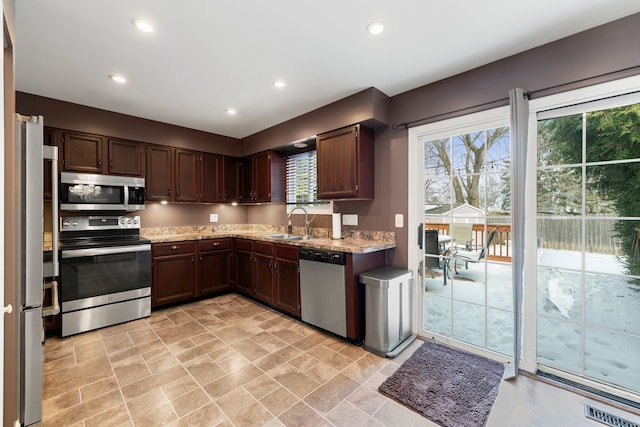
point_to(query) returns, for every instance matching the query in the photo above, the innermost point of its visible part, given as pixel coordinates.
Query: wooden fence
(562, 234)
(566, 234)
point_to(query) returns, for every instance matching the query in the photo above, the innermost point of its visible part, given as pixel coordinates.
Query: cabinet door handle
(276, 266)
(99, 163)
(177, 192)
(169, 192)
(193, 259)
(270, 265)
(216, 243)
(175, 248)
(200, 259)
(110, 164)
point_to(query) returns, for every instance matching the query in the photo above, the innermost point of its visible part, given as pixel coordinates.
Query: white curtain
(519, 127)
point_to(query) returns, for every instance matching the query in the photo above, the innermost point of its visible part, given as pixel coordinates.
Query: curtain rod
(504, 101)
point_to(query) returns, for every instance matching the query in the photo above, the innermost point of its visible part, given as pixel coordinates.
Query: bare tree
(462, 158)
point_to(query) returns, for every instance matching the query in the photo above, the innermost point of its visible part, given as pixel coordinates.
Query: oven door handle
(77, 253)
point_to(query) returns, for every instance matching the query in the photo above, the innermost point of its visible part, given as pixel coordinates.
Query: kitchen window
(301, 182)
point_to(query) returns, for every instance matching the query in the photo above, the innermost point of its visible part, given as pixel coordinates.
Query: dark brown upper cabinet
(187, 176)
(211, 178)
(187, 167)
(126, 157)
(230, 179)
(172, 174)
(346, 163)
(218, 178)
(262, 178)
(82, 152)
(159, 173)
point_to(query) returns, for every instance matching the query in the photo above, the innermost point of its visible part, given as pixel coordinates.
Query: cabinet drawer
(287, 252)
(214, 244)
(173, 248)
(244, 245)
(264, 248)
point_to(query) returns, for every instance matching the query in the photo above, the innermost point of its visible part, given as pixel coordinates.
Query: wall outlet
(399, 220)
(349, 219)
(213, 217)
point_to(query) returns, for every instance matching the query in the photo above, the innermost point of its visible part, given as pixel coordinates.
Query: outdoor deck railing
(500, 248)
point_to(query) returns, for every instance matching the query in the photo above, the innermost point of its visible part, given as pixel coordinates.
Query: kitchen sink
(290, 237)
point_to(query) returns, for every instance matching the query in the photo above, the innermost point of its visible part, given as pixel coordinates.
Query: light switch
(399, 220)
(213, 217)
(349, 219)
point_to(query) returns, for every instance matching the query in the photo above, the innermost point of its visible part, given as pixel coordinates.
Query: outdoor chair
(467, 256)
(461, 237)
(431, 248)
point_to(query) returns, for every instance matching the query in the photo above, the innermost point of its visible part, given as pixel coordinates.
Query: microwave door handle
(51, 153)
(126, 197)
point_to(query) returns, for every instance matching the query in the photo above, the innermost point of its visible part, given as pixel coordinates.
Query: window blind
(300, 169)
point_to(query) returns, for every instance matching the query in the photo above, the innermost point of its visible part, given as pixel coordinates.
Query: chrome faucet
(306, 223)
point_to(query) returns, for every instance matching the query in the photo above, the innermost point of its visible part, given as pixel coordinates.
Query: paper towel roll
(336, 226)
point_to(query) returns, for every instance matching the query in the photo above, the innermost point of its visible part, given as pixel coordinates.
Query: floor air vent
(607, 418)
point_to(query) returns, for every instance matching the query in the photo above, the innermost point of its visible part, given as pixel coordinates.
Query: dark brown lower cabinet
(174, 272)
(287, 279)
(214, 265)
(244, 266)
(263, 271)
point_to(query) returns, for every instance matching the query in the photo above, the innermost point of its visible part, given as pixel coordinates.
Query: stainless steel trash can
(388, 310)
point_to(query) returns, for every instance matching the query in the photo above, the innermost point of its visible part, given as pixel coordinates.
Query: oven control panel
(88, 223)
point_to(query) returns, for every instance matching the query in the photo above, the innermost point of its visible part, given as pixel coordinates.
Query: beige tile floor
(228, 361)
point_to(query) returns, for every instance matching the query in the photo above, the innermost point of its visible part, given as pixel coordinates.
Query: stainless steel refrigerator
(30, 134)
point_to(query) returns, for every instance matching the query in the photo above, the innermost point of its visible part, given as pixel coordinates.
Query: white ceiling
(208, 55)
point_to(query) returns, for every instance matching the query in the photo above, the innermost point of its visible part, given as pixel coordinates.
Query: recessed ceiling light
(142, 25)
(118, 78)
(231, 111)
(375, 28)
(279, 84)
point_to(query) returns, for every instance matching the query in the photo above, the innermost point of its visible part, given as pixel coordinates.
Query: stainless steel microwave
(91, 192)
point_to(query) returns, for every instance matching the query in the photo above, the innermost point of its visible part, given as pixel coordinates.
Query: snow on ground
(608, 305)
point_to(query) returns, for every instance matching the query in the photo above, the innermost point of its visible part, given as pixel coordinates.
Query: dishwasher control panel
(323, 255)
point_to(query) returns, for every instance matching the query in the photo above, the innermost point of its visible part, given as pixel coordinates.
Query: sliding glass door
(581, 276)
(588, 232)
(466, 290)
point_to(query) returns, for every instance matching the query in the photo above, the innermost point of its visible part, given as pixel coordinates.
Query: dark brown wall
(597, 55)
(66, 115)
(601, 54)
(369, 106)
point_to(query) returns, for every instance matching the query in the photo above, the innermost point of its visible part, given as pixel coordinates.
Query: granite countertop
(354, 242)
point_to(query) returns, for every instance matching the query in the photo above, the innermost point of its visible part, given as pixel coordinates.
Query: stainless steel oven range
(105, 272)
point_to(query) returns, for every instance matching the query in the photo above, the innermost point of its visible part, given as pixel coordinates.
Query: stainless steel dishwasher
(322, 289)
